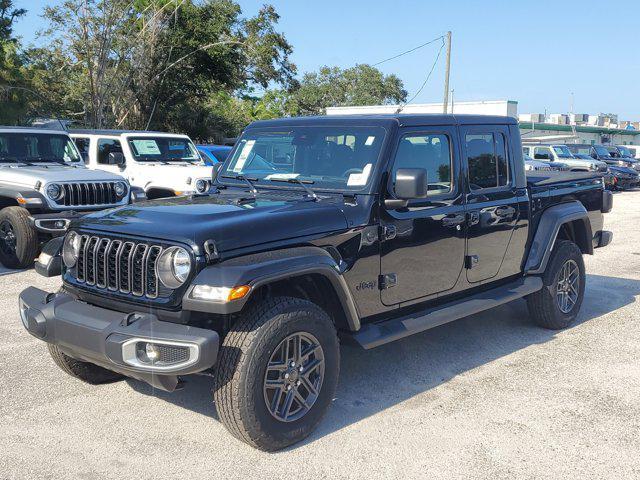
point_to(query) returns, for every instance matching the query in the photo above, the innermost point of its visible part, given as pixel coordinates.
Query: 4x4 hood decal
(231, 221)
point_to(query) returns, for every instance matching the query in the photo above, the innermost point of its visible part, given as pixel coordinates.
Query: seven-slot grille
(118, 265)
(88, 193)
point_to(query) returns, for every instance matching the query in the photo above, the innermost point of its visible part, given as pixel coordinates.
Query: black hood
(230, 219)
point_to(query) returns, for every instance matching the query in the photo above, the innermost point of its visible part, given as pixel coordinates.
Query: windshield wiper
(248, 181)
(302, 183)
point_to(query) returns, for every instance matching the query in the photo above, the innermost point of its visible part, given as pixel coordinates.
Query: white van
(162, 164)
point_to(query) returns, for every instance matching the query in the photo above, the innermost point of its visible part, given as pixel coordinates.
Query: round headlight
(120, 189)
(54, 191)
(201, 186)
(173, 267)
(71, 249)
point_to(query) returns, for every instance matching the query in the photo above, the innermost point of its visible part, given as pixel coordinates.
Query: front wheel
(558, 303)
(18, 239)
(277, 373)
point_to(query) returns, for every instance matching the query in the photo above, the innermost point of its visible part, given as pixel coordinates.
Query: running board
(375, 334)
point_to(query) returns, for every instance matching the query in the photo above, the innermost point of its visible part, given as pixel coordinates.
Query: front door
(492, 200)
(104, 146)
(423, 244)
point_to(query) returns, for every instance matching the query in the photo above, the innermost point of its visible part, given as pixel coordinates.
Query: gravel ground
(489, 396)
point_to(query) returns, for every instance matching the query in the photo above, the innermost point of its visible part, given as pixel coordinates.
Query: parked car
(561, 153)
(539, 165)
(625, 153)
(630, 151)
(43, 186)
(380, 227)
(213, 154)
(162, 164)
(624, 178)
(602, 153)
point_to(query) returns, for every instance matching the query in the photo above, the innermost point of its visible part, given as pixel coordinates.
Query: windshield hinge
(211, 251)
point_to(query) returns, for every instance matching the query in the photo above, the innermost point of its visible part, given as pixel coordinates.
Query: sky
(540, 53)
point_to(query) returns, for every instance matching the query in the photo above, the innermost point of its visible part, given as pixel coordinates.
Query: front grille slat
(119, 266)
(88, 194)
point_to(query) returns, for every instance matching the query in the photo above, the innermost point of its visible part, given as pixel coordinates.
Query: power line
(408, 51)
(425, 80)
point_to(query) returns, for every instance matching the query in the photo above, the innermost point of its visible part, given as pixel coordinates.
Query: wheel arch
(567, 221)
(305, 272)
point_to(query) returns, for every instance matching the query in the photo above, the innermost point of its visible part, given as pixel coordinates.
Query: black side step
(376, 334)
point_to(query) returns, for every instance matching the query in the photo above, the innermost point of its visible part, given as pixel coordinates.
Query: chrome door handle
(453, 220)
(505, 211)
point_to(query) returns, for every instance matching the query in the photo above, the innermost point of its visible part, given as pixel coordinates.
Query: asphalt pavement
(489, 396)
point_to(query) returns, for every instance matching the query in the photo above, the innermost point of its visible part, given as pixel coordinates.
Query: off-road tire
(85, 371)
(27, 244)
(242, 362)
(543, 306)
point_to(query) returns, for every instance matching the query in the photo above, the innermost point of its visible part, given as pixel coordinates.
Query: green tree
(333, 87)
(154, 63)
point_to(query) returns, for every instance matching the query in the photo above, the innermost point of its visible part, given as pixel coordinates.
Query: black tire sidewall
(309, 319)
(566, 251)
(26, 238)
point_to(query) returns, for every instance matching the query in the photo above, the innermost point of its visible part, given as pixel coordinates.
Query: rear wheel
(558, 303)
(85, 371)
(18, 238)
(277, 373)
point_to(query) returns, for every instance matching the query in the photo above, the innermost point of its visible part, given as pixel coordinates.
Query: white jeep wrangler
(162, 164)
(43, 186)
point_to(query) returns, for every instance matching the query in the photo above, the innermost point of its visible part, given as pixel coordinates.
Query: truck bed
(538, 179)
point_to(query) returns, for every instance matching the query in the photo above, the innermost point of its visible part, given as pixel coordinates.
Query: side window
(488, 161)
(431, 152)
(83, 146)
(105, 147)
(542, 153)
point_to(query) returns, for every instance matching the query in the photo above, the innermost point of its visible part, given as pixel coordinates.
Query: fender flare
(548, 227)
(261, 269)
(33, 197)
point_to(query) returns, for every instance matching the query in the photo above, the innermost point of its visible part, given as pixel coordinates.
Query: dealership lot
(487, 396)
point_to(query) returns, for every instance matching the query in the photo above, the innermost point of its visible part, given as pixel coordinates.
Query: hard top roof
(89, 131)
(389, 119)
(12, 128)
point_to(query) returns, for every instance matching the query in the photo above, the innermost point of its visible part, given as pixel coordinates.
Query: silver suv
(562, 154)
(44, 184)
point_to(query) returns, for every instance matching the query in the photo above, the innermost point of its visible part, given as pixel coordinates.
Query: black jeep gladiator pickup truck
(363, 228)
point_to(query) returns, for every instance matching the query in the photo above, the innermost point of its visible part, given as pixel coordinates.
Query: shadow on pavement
(372, 381)
(5, 271)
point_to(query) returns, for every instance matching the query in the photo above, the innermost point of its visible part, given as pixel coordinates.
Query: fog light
(153, 353)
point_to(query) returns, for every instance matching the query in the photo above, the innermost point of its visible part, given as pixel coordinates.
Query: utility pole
(452, 92)
(446, 75)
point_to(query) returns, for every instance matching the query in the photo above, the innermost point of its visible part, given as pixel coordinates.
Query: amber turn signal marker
(238, 292)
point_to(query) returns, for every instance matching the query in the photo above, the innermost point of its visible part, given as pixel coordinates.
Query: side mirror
(116, 158)
(408, 184)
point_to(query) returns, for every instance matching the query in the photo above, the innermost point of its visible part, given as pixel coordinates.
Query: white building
(535, 127)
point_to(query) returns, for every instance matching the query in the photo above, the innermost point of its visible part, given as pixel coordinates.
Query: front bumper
(107, 338)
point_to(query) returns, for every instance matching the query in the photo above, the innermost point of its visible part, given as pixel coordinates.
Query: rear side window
(431, 152)
(487, 159)
(105, 147)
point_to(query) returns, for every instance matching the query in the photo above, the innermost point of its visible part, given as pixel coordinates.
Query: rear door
(423, 244)
(492, 199)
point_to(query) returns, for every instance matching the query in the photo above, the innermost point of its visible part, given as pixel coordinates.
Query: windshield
(563, 152)
(335, 158)
(601, 151)
(27, 147)
(625, 152)
(163, 149)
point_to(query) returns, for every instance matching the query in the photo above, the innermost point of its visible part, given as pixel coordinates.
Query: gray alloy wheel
(568, 286)
(293, 377)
